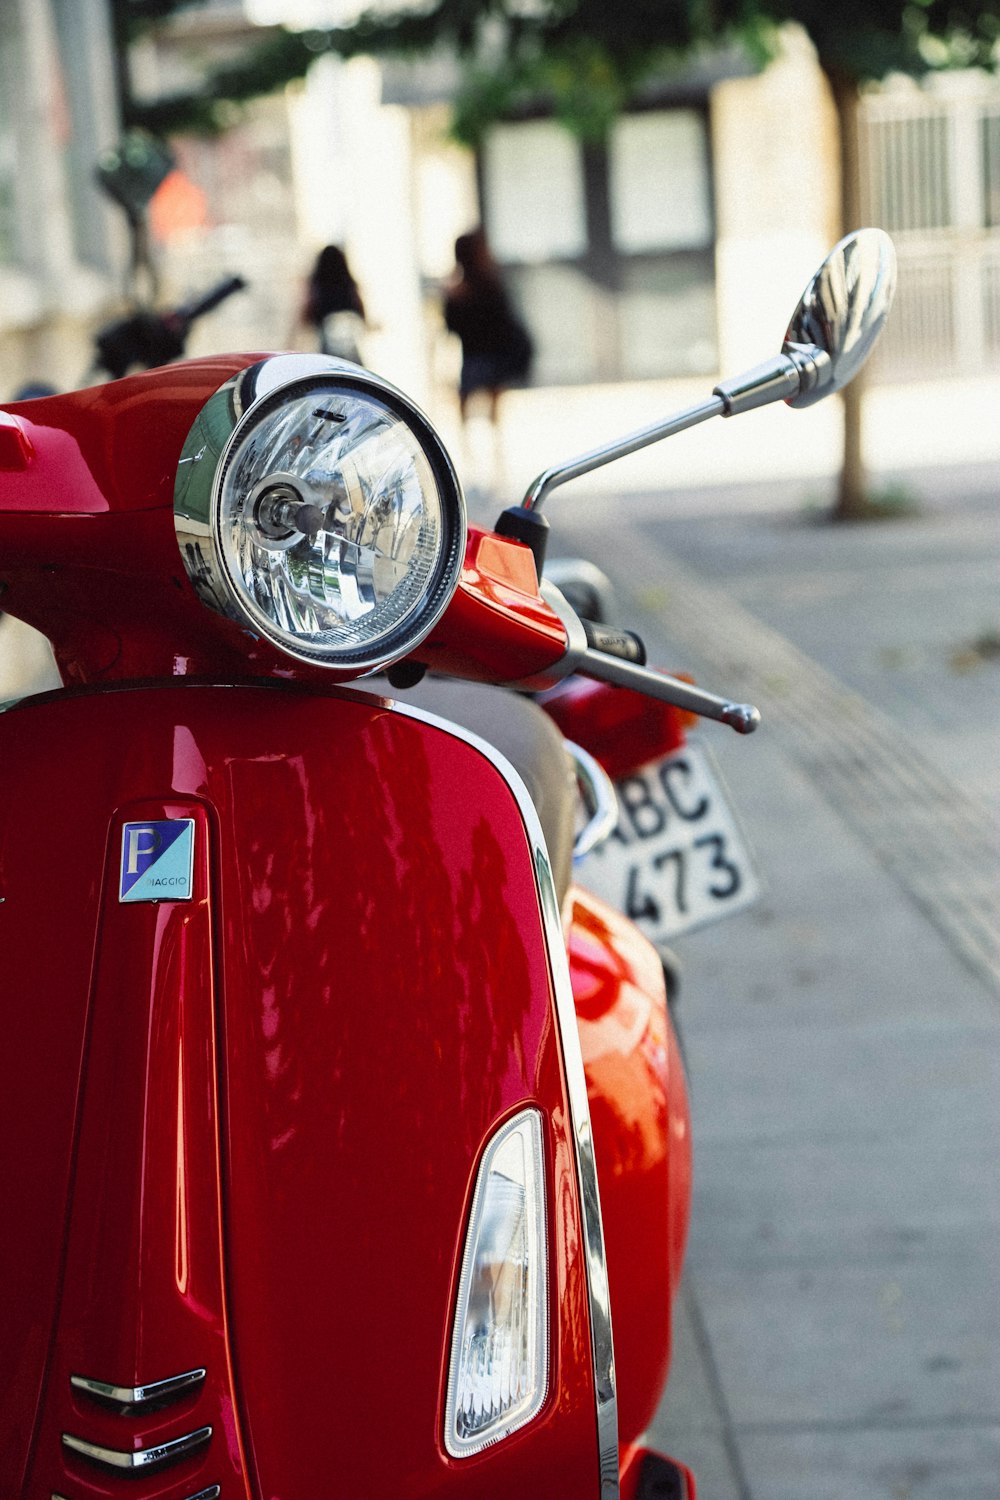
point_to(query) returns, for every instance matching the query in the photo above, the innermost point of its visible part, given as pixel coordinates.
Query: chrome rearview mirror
(832, 332)
(843, 309)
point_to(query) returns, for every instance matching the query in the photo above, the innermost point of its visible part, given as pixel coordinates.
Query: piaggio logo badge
(157, 860)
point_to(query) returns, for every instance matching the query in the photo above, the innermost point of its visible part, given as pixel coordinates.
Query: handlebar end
(742, 717)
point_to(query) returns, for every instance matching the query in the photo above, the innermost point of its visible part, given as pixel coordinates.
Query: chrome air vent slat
(127, 1398)
(139, 1460)
(212, 1493)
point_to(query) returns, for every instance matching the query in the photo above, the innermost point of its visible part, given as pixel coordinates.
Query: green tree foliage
(584, 60)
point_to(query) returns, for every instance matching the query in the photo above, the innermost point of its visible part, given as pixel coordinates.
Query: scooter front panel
(387, 1007)
(132, 1375)
(290, 1077)
(50, 886)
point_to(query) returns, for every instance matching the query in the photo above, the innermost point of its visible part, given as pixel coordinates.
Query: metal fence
(930, 166)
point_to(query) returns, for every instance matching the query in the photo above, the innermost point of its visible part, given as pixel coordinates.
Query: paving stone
(692, 1424)
(909, 1340)
(885, 1463)
(843, 1037)
(826, 903)
(811, 1202)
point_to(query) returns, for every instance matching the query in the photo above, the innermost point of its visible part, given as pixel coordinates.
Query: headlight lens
(500, 1355)
(335, 523)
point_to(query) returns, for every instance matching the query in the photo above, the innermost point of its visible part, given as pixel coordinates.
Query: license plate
(677, 858)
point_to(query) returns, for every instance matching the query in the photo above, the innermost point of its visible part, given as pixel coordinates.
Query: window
(931, 163)
(608, 248)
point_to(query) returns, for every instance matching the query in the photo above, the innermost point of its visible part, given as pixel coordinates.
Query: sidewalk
(840, 1324)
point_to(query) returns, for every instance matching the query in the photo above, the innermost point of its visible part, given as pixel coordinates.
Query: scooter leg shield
(258, 1063)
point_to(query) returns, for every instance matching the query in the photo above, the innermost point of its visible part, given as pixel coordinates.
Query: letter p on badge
(157, 860)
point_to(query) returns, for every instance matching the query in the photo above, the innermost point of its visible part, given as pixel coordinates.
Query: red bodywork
(621, 728)
(241, 1132)
(90, 557)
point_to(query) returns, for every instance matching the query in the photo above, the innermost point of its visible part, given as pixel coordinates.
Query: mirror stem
(798, 369)
(775, 380)
(558, 474)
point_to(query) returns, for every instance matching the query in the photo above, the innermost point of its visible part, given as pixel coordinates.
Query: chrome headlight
(498, 1373)
(316, 506)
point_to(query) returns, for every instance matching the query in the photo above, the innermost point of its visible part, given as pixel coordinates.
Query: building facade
(645, 267)
(61, 249)
(931, 176)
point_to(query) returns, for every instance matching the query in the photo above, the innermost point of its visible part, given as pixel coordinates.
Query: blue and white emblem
(157, 860)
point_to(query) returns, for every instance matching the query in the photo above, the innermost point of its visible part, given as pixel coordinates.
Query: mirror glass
(844, 307)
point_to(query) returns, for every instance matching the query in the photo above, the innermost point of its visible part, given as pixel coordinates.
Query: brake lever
(584, 658)
(742, 717)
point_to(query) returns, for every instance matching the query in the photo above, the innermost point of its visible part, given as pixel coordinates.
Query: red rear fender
(642, 1138)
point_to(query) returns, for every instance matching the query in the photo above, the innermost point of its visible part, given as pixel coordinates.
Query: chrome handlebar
(742, 717)
(583, 658)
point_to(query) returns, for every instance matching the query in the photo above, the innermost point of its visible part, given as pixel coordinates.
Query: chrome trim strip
(602, 1341)
(599, 798)
(139, 1460)
(558, 474)
(126, 1397)
(212, 1493)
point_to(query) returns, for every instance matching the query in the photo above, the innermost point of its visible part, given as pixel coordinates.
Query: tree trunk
(852, 490)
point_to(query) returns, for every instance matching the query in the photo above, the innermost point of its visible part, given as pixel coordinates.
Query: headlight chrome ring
(317, 507)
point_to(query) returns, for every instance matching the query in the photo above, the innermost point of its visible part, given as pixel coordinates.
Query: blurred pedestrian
(333, 307)
(496, 347)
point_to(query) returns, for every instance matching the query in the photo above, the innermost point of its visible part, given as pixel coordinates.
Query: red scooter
(338, 1122)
